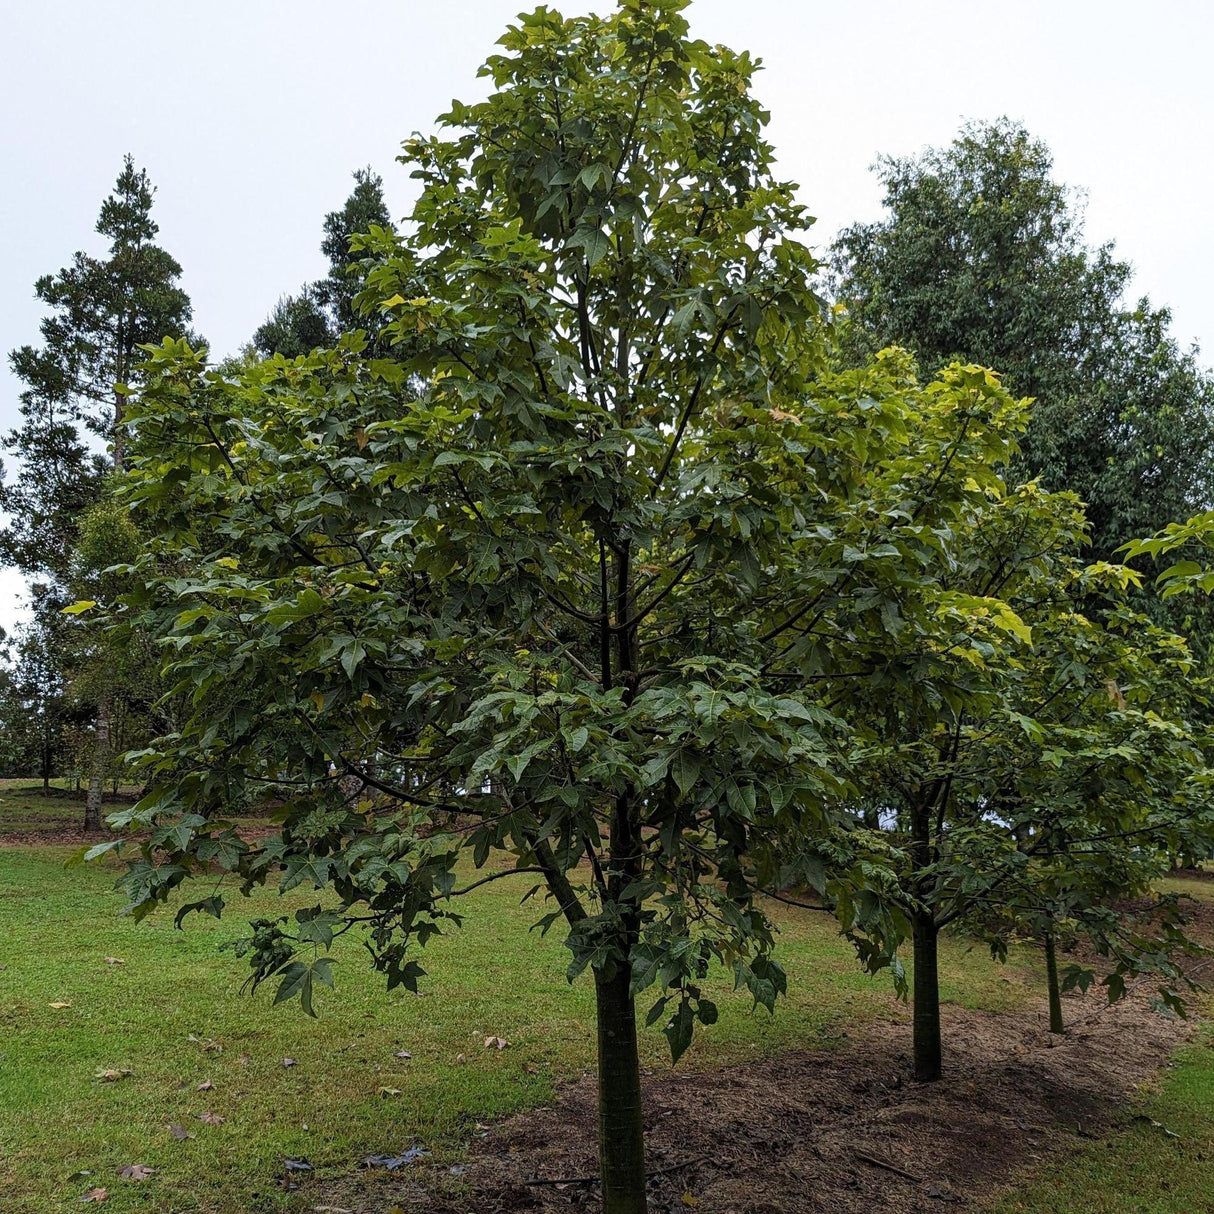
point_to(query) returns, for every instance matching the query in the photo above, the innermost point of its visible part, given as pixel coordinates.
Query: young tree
(981, 257)
(101, 311)
(543, 582)
(1032, 775)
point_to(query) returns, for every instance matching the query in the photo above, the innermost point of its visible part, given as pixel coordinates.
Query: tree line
(592, 525)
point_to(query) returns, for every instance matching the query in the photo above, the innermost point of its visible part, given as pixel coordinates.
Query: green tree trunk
(621, 1125)
(100, 758)
(1051, 978)
(929, 1065)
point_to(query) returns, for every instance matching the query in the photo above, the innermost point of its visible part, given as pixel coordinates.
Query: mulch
(842, 1130)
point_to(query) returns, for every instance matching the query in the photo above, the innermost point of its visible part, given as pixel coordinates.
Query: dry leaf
(211, 1118)
(688, 1200)
(205, 1086)
(114, 961)
(288, 1062)
(360, 437)
(112, 1074)
(402, 1054)
(531, 1068)
(136, 1171)
(61, 1004)
(389, 1091)
(97, 1195)
(499, 1043)
(243, 1059)
(460, 1059)
(780, 416)
(180, 1133)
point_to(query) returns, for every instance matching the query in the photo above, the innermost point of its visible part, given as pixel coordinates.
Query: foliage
(323, 310)
(100, 311)
(981, 257)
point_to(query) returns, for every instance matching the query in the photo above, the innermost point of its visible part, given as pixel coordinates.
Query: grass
(57, 1121)
(1143, 1169)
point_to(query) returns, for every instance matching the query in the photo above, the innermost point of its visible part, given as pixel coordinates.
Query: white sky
(251, 114)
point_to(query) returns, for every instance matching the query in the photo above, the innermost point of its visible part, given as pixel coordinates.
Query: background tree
(34, 712)
(980, 256)
(101, 310)
(516, 583)
(323, 310)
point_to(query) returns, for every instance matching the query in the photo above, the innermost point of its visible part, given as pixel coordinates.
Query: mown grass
(495, 976)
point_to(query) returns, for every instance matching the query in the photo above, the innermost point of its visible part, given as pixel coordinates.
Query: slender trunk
(929, 1064)
(1051, 978)
(100, 759)
(621, 1125)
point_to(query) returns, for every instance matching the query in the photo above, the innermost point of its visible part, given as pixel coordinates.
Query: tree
(101, 311)
(981, 257)
(1032, 772)
(323, 310)
(535, 585)
(33, 706)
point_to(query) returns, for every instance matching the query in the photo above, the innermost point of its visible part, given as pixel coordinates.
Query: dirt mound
(845, 1131)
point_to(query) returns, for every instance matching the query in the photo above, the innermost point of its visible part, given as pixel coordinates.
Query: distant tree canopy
(100, 311)
(980, 256)
(321, 311)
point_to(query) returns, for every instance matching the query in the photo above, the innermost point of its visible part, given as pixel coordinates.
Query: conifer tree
(100, 311)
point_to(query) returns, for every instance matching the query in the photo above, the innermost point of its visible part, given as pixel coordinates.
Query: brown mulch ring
(845, 1131)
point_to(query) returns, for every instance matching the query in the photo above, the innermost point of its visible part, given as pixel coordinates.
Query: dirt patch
(845, 1130)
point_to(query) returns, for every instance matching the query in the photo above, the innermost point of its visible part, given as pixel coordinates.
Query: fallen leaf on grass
(288, 1062)
(136, 1171)
(205, 1086)
(402, 1054)
(389, 1091)
(243, 1059)
(97, 1195)
(331, 1210)
(114, 961)
(460, 1059)
(296, 1165)
(531, 1068)
(111, 1074)
(498, 1043)
(211, 1118)
(180, 1133)
(61, 1004)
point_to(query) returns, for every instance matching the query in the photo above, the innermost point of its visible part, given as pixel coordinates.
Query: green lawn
(495, 978)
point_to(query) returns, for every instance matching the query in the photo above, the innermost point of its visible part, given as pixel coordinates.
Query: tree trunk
(1051, 978)
(100, 759)
(621, 1125)
(929, 1065)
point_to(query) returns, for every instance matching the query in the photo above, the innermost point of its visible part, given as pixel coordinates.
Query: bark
(1051, 978)
(99, 760)
(621, 1124)
(929, 1063)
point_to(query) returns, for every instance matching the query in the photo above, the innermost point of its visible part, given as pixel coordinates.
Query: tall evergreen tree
(323, 310)
(980, 256)
(100, 311)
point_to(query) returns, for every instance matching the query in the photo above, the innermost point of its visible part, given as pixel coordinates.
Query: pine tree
(101, 310)
(323, 310)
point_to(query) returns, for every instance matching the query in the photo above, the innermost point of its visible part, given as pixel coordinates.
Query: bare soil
(844, 1130)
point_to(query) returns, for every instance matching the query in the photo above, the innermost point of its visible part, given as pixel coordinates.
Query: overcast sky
(251, 114)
